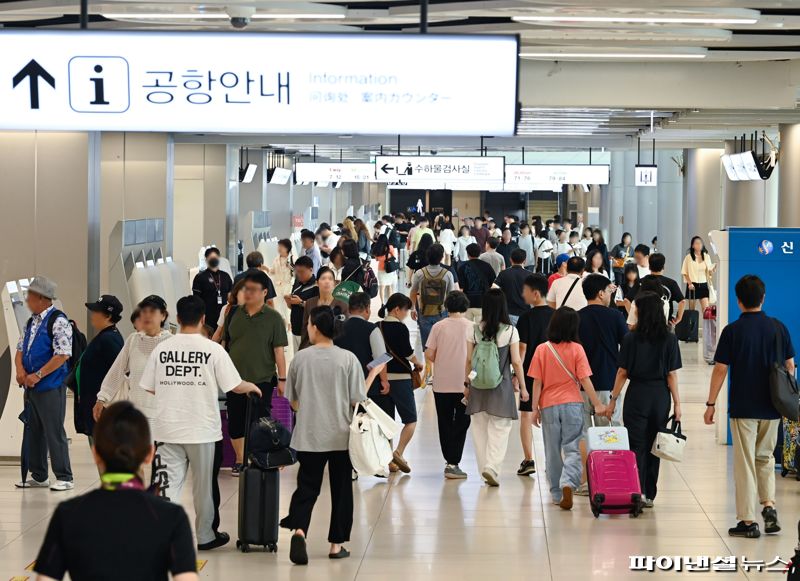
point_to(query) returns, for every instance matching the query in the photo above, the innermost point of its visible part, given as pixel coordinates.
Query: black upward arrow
(34, 71)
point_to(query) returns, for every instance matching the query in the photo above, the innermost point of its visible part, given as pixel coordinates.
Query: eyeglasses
(252, 289)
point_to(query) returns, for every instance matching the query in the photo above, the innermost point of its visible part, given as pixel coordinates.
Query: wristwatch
(281, 379)
(710, 405)
(39, 374)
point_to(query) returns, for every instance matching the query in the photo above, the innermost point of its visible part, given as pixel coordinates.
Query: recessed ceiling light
(636, 19)
(611, 55)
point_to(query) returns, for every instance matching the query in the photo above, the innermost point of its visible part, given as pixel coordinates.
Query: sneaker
(236, 470)
(220, 540)
(490, 476)
(582, 490)
(566, 498)
(647, 502)
(747, 531)
(453, 472)
(33, 483)
(401, 463)
(771, 524)
(62, 485)
(526, 468)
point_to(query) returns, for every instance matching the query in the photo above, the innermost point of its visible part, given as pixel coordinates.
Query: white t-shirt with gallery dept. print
(185, 373)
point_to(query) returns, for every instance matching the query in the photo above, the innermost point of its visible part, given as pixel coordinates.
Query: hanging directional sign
(557, 174)
(258, 83)
(442, 169)
(334, 172)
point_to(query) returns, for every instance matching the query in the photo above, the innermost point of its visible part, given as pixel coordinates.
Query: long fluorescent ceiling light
(218, 16)
(636, 19)
(611, 55)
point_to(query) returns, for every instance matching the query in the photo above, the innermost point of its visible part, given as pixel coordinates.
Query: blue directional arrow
(34, 71)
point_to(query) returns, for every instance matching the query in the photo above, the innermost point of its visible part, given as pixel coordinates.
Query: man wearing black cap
(97, 359)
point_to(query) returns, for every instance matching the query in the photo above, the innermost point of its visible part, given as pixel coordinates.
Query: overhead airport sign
(439, 169)
(258, 83)
(646, 176)
(536, 175)
(334, 172)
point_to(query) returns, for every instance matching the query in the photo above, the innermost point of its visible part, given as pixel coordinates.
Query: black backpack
(79, 340)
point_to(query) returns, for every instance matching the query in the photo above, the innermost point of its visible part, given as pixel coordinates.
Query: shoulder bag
(569, 292)
(670, 442)
(572, 376)
(416, 376)
(782, 384)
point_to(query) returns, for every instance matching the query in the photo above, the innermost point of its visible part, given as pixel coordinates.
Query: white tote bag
(371, 433)
(670, 442)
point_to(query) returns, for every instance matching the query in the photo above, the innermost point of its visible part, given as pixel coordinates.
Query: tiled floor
(423, 527)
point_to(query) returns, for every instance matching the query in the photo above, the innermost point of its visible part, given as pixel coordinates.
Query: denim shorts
(400, 398)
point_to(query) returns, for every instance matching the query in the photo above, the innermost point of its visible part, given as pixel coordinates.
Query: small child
(559, 370)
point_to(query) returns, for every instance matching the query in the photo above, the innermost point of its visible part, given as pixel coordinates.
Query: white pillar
(744, 202)
(670, 211)
(702, 193)
(630, 197)
(789, 179)
(614, 198)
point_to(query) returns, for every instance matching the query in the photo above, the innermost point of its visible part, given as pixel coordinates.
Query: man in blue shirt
(43, 353)
(310, 249)
(749, 347)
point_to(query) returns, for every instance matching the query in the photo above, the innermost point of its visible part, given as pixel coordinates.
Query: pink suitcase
(282, 410)
(614, 483)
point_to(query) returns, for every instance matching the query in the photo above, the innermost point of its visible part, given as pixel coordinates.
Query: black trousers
(645, 411)
(215, 483)
(453, 425)
(309, 483)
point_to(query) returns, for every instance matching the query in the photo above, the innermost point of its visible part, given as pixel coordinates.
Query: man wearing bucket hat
(43, 353)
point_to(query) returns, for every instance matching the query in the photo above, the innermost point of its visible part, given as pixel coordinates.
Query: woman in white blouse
(464, 239)
(282, 273)
(697, 271)
(447, 239)
(122, 380)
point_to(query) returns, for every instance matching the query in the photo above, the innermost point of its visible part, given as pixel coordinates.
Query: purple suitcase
(282, 410)
(614, 483)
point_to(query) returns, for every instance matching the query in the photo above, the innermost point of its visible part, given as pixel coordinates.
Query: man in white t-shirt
(185, 374)
(567, 291)
(641, 254)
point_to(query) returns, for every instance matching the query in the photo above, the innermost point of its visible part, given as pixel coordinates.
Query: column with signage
(746, 202)
(773, 254)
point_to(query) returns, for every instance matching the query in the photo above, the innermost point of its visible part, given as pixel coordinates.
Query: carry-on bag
(371, 433)
(282, 410)
(789, 451)
(259, 498)
(687, 329)
(783, 388)
(670, 442)
(709, 334)
(613, 480)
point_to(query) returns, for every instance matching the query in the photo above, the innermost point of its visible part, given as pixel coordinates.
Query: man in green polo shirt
(255, 336)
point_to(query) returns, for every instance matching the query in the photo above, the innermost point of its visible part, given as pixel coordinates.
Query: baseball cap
(41, 285)
(108, 304)
(561, 259)
(153, 302)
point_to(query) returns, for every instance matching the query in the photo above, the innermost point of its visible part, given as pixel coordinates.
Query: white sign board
(334, 172)
(258, 83)
(439, 169)
(557, 174)
(646, 176)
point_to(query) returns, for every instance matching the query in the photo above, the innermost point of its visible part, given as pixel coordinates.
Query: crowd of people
(536, 322)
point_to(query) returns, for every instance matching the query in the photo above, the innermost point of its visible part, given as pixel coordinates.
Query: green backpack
(485, 363)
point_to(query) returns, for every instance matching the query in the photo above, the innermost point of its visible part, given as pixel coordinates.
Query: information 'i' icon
(99, 87)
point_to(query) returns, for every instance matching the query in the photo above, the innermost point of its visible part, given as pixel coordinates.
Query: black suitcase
(687, 329)
(259, 500)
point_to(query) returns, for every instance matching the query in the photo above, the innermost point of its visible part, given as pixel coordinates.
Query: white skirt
(387, 278)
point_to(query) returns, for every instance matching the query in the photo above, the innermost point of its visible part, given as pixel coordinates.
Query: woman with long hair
(650, 359)
(349, 227)
(419, 258)
(492, 411)
(595, 263)
(447, 239)
(384, 252)
(353, 267)
(282, 273)
(599, 243)
(697, 271)
(322, 432)
(235, 297)
(152, 537)
(401, 389)
(326, 282)
(620, 256)
(363, 238)
(628, 290)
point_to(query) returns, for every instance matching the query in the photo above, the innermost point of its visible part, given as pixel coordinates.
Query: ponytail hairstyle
(324, 320)
(122, 438)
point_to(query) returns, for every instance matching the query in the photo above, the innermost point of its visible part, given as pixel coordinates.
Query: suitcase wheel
(243, 547)
(595, 511)
(784, 472)
(272, 548)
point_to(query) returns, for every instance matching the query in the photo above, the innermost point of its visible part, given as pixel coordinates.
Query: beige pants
(753, 464)
(490, 438)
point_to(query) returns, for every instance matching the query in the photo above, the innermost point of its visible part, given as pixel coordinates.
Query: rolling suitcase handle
(252, 402)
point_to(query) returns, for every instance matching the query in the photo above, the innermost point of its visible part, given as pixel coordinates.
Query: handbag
(783, 385)
(391, 265)
(370, 444)
(416, 376)
(670, 442)
(712, 293)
